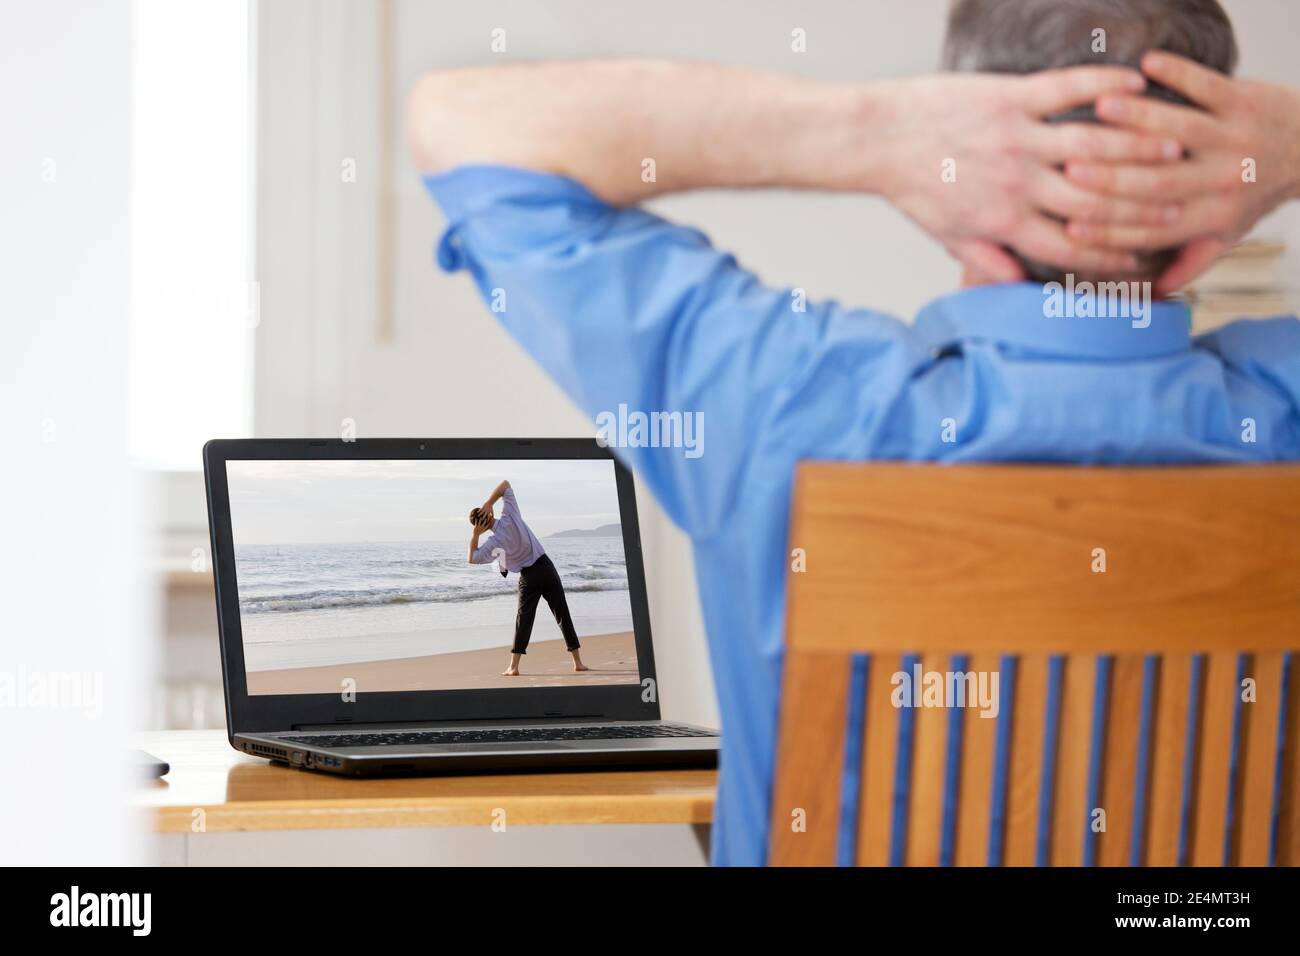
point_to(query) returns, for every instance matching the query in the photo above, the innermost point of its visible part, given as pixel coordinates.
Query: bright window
(194, 306)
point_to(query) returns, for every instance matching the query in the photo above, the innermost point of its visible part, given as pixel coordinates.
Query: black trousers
(541, 580)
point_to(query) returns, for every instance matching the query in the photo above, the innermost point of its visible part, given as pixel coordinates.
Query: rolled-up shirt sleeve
(483, 554)
(634, 315)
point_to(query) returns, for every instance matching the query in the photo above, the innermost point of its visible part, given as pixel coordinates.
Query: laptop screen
(369, 576)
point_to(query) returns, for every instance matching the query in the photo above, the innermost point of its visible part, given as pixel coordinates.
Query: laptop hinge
(548, 718)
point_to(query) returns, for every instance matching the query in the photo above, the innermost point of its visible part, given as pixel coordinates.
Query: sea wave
(371, 597)
(595, 573)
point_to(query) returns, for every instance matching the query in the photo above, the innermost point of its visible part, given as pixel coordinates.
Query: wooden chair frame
(1141, 624)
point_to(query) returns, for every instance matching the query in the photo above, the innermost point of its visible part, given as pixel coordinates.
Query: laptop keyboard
(408, 738)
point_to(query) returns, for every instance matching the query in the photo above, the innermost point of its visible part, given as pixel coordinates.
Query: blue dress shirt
(621, 307)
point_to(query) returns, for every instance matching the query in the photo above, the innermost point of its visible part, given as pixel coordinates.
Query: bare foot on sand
(581, 667)
(510, 671)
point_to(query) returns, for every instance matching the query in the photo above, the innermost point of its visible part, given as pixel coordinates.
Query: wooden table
(212, 789)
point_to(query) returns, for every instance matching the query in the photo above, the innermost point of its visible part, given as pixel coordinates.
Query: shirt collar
(1059, 320)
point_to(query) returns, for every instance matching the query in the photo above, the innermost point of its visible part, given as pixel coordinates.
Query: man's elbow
(440, 120)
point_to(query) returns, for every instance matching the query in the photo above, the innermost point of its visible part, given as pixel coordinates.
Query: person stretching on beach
(513, 544)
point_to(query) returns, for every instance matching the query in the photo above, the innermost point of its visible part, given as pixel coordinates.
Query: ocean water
(309, 605)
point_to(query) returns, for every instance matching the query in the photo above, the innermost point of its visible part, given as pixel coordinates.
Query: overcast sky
(298, 502)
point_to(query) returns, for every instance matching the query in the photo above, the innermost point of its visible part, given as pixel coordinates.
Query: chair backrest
(1130, 628)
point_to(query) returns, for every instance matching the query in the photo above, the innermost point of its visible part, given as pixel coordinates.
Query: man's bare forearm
(497, 493)
(496, 496)
(604, 122)
(968, 158)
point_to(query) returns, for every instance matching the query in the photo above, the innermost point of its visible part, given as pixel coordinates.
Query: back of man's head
(1025, 36)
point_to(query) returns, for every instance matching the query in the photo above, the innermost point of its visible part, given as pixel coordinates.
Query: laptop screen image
(356, 575)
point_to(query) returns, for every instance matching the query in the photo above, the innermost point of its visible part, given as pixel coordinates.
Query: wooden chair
(1123, 610)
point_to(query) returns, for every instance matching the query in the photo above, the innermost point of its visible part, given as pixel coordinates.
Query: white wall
(1266, 36)
(318, 358)
(75, 625)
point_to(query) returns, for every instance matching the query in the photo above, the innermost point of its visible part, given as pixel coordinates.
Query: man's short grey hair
(1026, 36)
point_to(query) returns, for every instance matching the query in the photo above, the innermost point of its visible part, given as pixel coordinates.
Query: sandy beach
(611, 657)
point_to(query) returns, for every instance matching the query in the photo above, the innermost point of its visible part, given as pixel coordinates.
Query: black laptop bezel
(258, 713)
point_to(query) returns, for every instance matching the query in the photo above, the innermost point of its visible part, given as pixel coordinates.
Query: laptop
(369, 627)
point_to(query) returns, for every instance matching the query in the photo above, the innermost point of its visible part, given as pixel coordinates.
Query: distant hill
(604, 531)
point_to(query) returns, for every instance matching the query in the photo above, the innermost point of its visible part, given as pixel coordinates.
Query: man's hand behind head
(975, 164)
(1243, 161)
